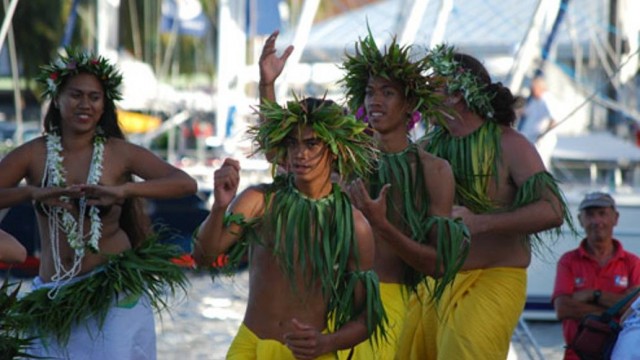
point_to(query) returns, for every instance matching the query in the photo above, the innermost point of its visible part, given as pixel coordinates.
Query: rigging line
(592, 96)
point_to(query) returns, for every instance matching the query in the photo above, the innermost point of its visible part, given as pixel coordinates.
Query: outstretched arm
(271, 66)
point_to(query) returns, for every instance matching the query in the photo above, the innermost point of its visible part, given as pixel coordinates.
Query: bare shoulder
(437, 172)
(360, 222)
(16, 164)
(519, 154)
(35, 146)
(433, 164)
(250, 202)
(512, 137)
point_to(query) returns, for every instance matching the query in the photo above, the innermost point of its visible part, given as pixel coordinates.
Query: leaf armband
(453, 239)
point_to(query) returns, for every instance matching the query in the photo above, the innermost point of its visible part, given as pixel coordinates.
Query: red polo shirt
(577, 270)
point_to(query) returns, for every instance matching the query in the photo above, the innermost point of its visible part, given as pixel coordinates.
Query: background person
(597, 274)
(540, 115)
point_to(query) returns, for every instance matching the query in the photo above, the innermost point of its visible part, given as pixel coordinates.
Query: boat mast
(7, 30)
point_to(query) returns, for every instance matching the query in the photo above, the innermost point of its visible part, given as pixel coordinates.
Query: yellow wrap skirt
(395, 299)
(247, 346)
(474, 319)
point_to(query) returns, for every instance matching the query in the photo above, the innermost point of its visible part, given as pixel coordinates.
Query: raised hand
(225, 182)
(375, 210)
(271, 65)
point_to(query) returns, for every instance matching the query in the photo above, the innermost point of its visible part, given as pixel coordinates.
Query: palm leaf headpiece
(394, 64)
(345, 136)
(458, 79)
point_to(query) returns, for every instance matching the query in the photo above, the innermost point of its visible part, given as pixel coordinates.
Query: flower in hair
(393, 63)
(416, 116)
(55, 74)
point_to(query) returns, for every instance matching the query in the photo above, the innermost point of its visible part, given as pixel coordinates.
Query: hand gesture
(375, 210)
(270, 64)
(225, 182)
(305, 342)
(54, 196)
(468, 218)
(100, 195)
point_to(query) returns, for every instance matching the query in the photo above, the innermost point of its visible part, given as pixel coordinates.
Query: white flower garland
(61, 219)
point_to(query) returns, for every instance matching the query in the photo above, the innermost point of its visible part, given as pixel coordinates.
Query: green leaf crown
(394, 64)
(76, 61)
(345, 136)
(458, 79)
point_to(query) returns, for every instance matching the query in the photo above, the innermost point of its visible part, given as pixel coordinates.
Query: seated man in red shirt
(598, 273)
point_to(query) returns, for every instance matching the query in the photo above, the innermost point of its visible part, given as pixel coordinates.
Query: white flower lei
(61, 219)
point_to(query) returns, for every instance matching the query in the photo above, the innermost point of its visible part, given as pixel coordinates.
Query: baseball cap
(597, 199)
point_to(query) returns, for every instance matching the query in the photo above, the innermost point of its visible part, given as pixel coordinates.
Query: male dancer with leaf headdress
(503, 194)
(310, 252)
(409, 198)
(412, 190)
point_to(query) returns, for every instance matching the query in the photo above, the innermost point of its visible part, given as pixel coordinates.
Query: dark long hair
(503, 101)
(133, 220)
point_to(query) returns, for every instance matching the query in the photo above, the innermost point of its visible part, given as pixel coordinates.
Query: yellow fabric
(247, 346)
(474, 319)
(395, 300)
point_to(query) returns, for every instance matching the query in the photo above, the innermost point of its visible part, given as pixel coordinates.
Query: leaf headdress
(76, 61)
(345, 136)
(394, 64)
(458, 79)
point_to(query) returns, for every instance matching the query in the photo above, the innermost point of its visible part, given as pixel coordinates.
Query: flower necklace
(60, 219)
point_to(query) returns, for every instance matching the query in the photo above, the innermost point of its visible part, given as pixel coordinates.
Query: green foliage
(394, 64)
(474, 161)
(13, 340)
(313, 239)
(345, 136)
(458, 79)
(452, 246)
(146, 270)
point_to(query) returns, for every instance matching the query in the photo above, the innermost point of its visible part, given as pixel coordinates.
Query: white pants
(127, 334)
